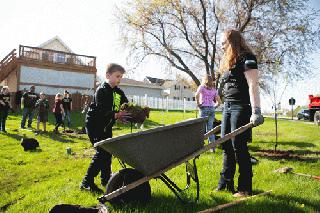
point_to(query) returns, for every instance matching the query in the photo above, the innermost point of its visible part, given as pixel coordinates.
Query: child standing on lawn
(101, 115)
(43, 108)
(67, 106)
(58, 111)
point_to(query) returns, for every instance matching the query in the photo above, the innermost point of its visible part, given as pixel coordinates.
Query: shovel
(290, 170)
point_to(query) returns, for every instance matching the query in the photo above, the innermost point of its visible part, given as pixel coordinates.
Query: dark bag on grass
(68, 208)
(29, 143)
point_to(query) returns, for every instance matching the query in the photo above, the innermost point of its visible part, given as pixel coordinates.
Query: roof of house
(132, 82)
(155, 80)
(55, 39)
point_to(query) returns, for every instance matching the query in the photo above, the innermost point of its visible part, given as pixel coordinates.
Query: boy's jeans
(101, 161)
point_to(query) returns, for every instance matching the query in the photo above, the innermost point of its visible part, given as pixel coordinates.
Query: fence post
(145, 99)
(167, 103)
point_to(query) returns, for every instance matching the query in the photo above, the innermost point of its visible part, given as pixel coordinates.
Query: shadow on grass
(275, 203)
(6, 206)
(58, 137)
(290, 155)
(165, 203)
(287, 143)
(34, 150)
(302, 202)
(14, 136)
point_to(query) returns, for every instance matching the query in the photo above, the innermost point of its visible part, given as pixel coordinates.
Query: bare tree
(184, 33)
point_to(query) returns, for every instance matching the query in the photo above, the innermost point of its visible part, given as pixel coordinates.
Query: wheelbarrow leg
(192, 172)
(172, 186)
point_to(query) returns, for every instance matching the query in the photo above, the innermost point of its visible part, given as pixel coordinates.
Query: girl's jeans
(208, 111)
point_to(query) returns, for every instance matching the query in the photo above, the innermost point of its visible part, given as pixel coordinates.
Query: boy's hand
(122, 116)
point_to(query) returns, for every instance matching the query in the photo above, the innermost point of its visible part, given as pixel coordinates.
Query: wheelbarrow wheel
(141, 193)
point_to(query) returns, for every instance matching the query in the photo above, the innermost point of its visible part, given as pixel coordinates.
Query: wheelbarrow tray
(152, 150)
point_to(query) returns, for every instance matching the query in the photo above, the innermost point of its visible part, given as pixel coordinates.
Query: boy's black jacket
(106, 102)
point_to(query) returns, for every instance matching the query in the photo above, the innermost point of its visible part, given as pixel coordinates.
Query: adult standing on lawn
(28, 104)
(101, 115)
(5, 105)
(67, 106)
(240, 77)
(207, 100)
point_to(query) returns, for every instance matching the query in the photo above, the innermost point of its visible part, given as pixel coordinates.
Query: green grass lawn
(36, 181)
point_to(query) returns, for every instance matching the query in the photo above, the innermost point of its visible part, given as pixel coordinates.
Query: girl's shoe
(242, 194)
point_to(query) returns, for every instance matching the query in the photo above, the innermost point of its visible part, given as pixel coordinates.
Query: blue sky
(87, 27)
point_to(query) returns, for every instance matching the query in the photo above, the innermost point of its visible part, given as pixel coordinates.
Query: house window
(193, 98)
(60, 58)
(176, 87)
(188, 99)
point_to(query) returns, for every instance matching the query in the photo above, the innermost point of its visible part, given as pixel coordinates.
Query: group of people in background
(32, 103)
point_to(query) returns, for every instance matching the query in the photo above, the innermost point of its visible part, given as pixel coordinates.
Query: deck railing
(56, 57)
(6, 60)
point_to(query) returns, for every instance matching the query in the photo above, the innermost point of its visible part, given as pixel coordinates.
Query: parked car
(303, 114)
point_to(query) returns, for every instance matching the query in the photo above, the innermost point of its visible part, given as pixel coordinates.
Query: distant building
(140, 88)
(179, 89)
(152, 80)
(52, 67)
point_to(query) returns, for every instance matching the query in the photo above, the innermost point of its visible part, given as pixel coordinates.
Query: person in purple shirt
(207, 100)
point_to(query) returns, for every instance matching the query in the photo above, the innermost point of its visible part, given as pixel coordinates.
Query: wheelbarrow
(153, 152)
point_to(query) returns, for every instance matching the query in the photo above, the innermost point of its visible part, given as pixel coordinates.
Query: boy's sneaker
(104, 183)
(90, 187)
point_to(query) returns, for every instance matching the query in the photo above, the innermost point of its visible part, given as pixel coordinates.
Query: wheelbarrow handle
(213, 131)
(225, 138)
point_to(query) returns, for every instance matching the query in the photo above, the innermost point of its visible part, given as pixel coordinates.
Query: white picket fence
(163, 103)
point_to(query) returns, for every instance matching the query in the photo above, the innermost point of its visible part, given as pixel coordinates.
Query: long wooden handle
(233, 203)
(307, 175)
(213, 131)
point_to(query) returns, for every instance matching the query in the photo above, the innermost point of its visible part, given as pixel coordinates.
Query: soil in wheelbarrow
(137, 113)
(303, 155)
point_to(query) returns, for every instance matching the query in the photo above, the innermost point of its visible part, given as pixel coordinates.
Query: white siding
(52, 77)
(53, 90)
(141, 91)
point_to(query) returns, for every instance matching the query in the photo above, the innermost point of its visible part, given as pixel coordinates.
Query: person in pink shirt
(207, 100)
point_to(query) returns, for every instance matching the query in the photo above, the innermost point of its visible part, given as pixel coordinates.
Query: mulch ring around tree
(289, 154)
